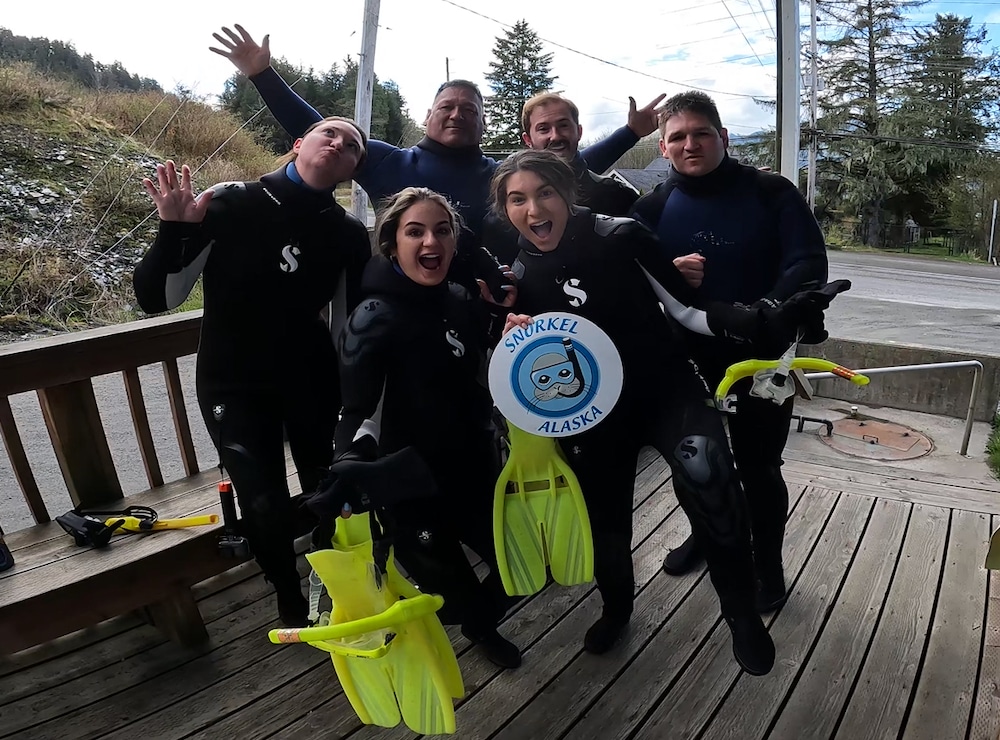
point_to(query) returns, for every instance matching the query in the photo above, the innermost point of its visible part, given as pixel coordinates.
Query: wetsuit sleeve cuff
(178, 229)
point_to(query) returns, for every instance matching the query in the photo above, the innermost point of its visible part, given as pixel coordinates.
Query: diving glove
(800, 318)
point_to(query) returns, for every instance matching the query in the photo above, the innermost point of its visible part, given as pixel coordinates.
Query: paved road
(951, 305)
(945, 304)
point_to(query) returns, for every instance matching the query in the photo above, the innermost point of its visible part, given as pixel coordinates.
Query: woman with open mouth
(411, 356)
(612, 272)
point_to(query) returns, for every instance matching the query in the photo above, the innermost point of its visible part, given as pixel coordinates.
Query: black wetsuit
(273, 254)
(419, 352)
(760, 242)
(595, 273)
(599, 193)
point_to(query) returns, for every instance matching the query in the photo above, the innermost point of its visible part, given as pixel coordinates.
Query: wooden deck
(892, 631)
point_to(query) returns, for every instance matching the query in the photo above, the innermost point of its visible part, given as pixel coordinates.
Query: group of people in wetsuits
(407, 334)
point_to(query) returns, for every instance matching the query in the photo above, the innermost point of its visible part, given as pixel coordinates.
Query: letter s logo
(577, 297)
(288, 261)
(451, 337)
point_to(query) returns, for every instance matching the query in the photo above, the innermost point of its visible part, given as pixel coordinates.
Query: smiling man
(739, 235)
(552, 122)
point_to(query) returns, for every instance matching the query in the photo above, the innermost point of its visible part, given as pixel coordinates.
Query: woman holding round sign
(602, 368)
(412, 360)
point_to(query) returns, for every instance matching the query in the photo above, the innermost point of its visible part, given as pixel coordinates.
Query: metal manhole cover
(878, 440)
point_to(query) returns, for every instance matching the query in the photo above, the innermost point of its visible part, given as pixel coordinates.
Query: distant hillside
(60, 60)
(74, 218)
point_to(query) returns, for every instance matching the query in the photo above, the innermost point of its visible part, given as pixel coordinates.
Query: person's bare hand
(692, 267)
(175, 199)
(645, 120)
(516, 319)
(247, 55)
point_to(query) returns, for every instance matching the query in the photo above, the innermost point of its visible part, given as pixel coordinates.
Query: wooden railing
(60, 370)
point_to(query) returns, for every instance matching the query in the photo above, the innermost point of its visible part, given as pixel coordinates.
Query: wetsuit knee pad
(710, 493)
(704, 468)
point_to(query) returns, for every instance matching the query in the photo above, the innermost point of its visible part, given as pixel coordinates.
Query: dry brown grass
(54, 287)
(23, 90)
(187, 131)
(29, 299)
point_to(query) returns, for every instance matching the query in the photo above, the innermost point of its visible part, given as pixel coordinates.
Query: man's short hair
(546, 98)
(471, 86)
(692, 101)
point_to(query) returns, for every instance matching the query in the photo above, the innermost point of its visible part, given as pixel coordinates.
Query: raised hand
(175, 199)
(247, 55)
(645, 120)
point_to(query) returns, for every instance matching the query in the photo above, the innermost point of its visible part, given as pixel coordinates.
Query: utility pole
(447, 71)
(789, 82)
(363, 97)
(813, 138)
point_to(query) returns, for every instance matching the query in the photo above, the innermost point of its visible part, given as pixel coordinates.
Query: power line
(604, 61)
(936, 143)
(740, 29)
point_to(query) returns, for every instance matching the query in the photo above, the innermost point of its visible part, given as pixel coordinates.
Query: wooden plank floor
(892, 631)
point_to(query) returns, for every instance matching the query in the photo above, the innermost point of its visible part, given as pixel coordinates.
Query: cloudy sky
(642, 48)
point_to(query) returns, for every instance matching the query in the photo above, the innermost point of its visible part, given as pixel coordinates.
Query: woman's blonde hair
(396, 205)
(291, 156)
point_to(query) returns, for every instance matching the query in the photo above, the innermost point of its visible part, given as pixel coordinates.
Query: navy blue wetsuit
(761, 244)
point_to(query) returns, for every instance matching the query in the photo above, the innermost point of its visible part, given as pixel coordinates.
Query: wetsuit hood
(297, 195)
(715, 181)
(454, 153)
(383, 276)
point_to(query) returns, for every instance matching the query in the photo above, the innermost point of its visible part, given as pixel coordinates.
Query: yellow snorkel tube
(770, 376)
(392, 656)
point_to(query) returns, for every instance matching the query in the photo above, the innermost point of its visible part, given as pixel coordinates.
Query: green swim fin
(390, 652)
(540, 518)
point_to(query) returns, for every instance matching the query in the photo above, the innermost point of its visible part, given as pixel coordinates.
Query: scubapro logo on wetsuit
(556, 377)
(288, 261)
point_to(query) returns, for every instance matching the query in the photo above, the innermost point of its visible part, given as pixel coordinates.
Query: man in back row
(738, 235)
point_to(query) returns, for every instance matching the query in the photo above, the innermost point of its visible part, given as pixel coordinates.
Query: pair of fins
(391, 654)
(540, 518)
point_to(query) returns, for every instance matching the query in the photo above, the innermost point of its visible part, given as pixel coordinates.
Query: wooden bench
(57, 587)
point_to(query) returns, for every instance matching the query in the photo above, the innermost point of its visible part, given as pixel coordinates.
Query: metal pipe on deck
(973, 396)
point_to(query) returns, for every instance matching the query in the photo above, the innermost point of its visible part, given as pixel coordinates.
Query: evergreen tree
(950, 100)
(61, 60)
(332, 94)
(864, 67)
(519, 71)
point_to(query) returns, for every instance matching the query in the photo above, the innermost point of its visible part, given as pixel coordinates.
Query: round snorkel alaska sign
(557, 377)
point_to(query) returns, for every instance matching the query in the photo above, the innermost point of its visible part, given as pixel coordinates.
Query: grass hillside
(74, 218)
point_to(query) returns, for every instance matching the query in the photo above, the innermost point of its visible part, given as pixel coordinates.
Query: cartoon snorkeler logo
(555, 377)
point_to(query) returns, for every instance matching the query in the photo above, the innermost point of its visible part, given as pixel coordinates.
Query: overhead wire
(601, 60)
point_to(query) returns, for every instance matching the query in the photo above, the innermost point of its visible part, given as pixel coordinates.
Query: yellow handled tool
(138, 524)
